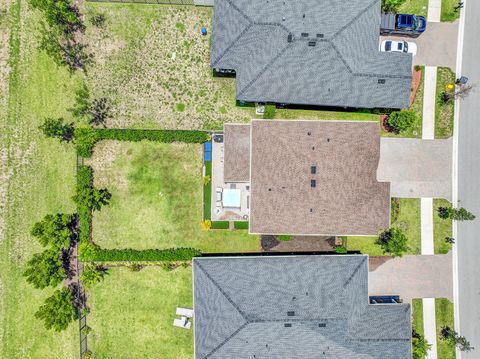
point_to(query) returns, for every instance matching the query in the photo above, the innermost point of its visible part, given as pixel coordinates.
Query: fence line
(167, 2)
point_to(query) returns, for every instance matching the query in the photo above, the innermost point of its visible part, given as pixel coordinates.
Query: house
(309, 177)
(293, 307)
(308, 52)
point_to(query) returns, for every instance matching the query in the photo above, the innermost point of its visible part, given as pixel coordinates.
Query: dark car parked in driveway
(402, 24)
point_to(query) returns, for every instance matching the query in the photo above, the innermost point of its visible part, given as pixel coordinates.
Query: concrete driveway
(416, 168)
(411, 276)
(437, 46)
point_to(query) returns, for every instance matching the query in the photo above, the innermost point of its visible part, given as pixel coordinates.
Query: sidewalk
(434, 10)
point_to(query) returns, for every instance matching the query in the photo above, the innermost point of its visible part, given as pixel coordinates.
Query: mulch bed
(417, 78)
(375, 262)
(298, 244)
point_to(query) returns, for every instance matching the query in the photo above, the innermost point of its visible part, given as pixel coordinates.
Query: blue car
(402, 24)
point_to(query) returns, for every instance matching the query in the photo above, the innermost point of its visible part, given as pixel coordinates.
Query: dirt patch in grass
(156, 68)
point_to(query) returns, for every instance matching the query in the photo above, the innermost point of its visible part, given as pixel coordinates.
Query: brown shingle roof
(346, 199)
(236, 153)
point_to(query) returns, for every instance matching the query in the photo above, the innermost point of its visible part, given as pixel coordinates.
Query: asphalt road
(468, 233)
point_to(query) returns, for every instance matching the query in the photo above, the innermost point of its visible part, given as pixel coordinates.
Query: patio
(230, 201)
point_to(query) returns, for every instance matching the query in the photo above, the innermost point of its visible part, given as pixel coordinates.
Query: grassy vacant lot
(444, 317)
(408, 220)
(36, 178)
(157, 199)
(448, 10)
(132, 314)
(441, 228)
(444, 112)
(417, 7)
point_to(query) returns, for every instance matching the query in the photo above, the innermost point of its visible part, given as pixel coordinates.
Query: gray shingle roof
(342, 69)
(347, 198)
(242, 310)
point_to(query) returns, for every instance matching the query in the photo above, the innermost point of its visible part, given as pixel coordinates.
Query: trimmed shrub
(87, 196)
(220, 225)
(393, 241)
(284, 237)
(167, 136)
(394, 209)
(340, 250)
(269, 112)
(85, 140)
(241, 225)
(401, 121)
(206, 225)
(91, 275)
(132, 255)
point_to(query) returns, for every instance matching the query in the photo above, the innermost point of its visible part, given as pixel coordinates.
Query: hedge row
(241, 225)
(84, 182)
(86, 138)
(97, 254)
(220, 225)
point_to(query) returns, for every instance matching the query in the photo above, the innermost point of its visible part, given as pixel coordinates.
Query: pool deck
(220, 213)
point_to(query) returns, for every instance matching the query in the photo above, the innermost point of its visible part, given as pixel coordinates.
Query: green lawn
(324, 115)
(366, 245)
(417, 106)
(444, 113)
(441, 228)
(37, 177)
(444, 317)
(132, 314)
(417, 7)
(157, 199)
(448, 10)
(417, 315)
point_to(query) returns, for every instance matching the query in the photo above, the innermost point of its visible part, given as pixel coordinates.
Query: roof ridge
(226, 340)
(223, 292)
(355, 271)
(262, 71)
(348, 24)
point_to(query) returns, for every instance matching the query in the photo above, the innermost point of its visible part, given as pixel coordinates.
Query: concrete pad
(426, 225)
(429, 93)
(412, 276)
(437, 46)
(430, 326)
(416, 168)
(434, 10)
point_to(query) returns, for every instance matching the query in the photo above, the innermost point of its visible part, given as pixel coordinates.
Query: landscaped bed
(444, 318)
(442, 228)
(157, 192)
(132, 314)
(444, 112)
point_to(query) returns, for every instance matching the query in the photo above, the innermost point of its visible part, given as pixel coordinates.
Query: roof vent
(313, 169)
(313, 183)
(304, 34)
(290, 314)
(320, 36)
(290, 38)
(322, 325)
(309, 133)
(312, 43)
(381, 81)
(288, 325)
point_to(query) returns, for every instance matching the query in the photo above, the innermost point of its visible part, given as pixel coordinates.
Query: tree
(92, 197)
(55, 230)
(99, 111)
(401, 121)
(393, 241)
(45, 269)
(420, 346)
(92, 275)
(461, 92)
(451, 336)
(391, 5)
(82, 102)
(457, 214)
(57, 128)
(59, 310)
